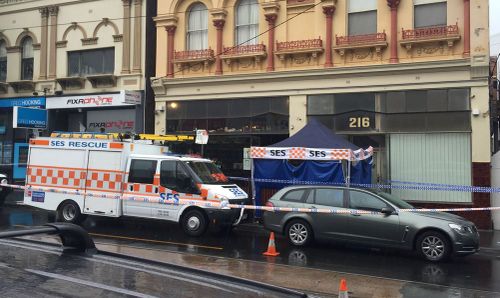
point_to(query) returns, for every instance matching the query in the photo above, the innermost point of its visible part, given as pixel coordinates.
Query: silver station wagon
(433, 235)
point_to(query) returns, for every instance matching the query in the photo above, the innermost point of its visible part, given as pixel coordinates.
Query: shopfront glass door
(20, 160)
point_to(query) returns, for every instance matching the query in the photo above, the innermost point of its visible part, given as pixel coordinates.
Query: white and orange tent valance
(310, 153)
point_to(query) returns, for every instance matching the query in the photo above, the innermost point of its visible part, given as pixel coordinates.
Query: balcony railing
(244, 49)
(299, 45)
(431, 32)
(360, 39)
(207, 54)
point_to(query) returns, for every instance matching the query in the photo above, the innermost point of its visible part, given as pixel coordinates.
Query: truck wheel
(69, 212)
(194, 223)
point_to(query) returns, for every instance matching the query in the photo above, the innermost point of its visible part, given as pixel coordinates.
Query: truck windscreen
(208, 172)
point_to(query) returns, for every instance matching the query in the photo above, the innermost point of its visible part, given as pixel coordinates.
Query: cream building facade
(408, 77)
(84, 61)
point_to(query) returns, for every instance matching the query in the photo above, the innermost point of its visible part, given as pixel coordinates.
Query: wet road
(478, 272)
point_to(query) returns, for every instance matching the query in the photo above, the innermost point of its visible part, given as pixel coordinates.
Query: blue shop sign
(29, 118)
(23, 102)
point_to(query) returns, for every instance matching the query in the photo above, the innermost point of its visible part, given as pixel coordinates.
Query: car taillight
(269, 204)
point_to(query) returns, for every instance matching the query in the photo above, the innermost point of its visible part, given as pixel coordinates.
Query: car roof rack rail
(73, 237)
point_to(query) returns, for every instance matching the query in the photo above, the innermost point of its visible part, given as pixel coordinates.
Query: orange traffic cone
(271, 247)
(343, 293)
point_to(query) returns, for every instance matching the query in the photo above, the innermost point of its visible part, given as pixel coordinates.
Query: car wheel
(299, 232)
(194, 223)
(433, 246)
(69, 212)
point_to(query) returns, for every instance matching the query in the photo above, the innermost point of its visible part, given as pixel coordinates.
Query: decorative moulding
(61, 44)
(102, 81)
(4, 87)
(437, 34)
(71, 83)
(375, 41)
(256, 52)
(89, 41)
(312, 47)
(22, 86)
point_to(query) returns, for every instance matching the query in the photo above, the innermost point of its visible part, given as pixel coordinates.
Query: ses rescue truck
(73, 173)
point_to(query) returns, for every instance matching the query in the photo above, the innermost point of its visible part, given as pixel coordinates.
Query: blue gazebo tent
(314, 155)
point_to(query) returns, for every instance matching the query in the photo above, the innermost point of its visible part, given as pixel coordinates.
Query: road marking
(155, 241)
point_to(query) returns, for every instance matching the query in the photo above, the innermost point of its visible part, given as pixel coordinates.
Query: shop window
(91, 62)
(3, 61)
(142, 171)
(197, 29)
(429, 13)
(232, 116)
(320, 104)
(362, 17)
(400, 111)
(247, 22)
(27, 59)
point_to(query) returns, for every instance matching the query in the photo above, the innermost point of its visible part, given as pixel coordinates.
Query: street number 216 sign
(359, 122)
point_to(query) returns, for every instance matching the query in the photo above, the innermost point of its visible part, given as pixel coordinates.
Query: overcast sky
(494, 16)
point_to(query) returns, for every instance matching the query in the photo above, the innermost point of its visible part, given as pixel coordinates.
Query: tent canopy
(316, 135)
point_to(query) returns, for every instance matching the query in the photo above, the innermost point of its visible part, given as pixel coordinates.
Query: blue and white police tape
(227, 205)
(405, 186)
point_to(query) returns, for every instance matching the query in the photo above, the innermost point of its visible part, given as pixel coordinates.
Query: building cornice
(337, 71)
(380, 78)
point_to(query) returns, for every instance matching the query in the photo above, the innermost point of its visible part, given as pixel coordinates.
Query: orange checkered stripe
(49, 176)
(339, 154)
(74, 178)
(104, 180)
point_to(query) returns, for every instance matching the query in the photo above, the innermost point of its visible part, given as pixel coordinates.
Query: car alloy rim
(69, 212)
(193, 223)
(433, 247)
(298, 233)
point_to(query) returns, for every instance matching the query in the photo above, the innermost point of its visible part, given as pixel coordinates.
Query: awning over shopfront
(313, 155)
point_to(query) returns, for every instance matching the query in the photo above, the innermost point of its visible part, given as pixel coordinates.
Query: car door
(328, 225)
(378, 228)
(140, 183)
(175, 183)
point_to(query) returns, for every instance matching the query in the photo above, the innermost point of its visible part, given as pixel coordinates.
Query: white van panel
(103, 164)
(49, 161)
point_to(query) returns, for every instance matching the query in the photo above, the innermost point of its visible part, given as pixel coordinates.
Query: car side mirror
(386, 211)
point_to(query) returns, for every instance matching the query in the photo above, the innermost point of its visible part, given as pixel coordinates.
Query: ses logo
(170, 197)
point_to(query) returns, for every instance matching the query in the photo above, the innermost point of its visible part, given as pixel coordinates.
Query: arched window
(247, 22)
(27, 59)
(3, 61)
(197, 29)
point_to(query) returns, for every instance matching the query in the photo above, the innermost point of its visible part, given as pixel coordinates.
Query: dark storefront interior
(232, 125)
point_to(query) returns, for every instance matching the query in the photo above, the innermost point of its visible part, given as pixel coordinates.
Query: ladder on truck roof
(123, 137)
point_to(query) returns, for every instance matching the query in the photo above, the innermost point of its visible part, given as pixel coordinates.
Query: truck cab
(174, 178)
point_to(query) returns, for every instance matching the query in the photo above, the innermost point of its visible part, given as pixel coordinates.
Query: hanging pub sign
(309, 153)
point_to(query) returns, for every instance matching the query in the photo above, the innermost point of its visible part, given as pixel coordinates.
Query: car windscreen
(395, 200)
(208, 172)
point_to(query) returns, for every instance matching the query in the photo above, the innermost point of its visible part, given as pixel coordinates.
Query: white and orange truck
(67, 175)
